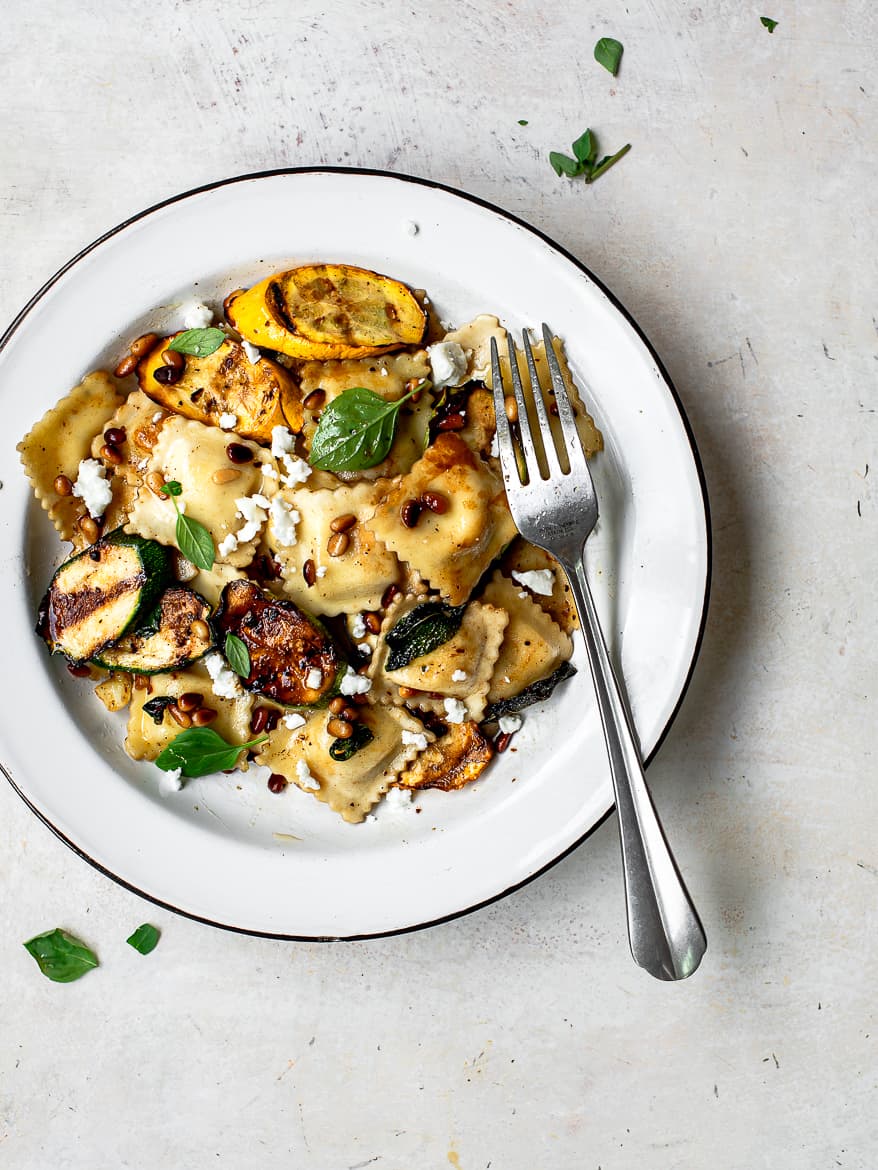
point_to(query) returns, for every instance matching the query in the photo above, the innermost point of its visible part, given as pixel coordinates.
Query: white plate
(226, 850)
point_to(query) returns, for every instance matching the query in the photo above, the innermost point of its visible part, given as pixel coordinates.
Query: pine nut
(179, 716)
(343, 523)
(190, 701)
(126, 366)
(141, 682)
(277, 783)
(238, 453)
(315, 399)
(167, 375)
(388, 596)
(452, 422)
(501, 743)
(200, 629)
(351, 714)
(339, 729)
(155, 481)
(89, 529)
(170, 357)
(435, 502)
(337, 705)
(372, 622)
(203, 716)
(63, 485)
(338, 544)
(115, 435)
(511, 408)
(309, 572)
(143, 344)
(110, 453)
(410, 513)
(225, 475)
(79, 671)
(259, 719)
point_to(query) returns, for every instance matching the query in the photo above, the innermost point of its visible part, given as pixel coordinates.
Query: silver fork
(558, 514)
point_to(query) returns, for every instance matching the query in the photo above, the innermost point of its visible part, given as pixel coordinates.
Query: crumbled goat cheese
(458, 676)
(293, 721)
(225, 682)
(297, 470)
(281, 441)
(253, 354)
(358, 627)
(92, 488)
(410, 227)
(355, 684)
(171, 782)
(268, 472)
(283, 521)
(509, 724)
(228, 421)
(364, 648)
(304, 777)
(414, 739)
(321, 570)
(253, 510)
(314, 679)
(447, 363)
(227, 545)
(495, 447)
(399, 800)
(196, 315)
(455, 711)
(540, 581)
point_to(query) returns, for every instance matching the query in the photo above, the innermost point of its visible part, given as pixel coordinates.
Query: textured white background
(740, 233)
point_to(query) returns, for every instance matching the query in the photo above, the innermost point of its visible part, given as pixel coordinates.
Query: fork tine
(504, 434)
(528, 447)
(552, 461)
(565, 410)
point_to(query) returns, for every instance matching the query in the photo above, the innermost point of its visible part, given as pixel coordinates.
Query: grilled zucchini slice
(95, 597)
(175, 634)
(288, 649)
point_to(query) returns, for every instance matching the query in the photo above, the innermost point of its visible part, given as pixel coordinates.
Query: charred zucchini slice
(175, 634)
(289, 650)
(96, 596)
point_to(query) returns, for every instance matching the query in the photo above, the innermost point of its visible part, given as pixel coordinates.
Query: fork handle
(664, 930)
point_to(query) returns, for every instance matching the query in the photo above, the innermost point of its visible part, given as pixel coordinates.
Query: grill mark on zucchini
(66, 610)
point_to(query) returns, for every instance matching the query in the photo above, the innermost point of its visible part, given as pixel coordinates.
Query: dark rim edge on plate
(37, 297)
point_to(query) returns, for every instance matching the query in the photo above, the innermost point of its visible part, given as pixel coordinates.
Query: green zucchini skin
(99, 594)
(168, 643)
(284, 645)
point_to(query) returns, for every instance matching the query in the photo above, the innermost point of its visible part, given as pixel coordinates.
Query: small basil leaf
(198, 342)
(61, 957)
(522, 121)
(536, 693)
(355, 431)
(345, 749)
(155, 708)
(144, 939)
(585, 148)
(237, 655)
(173, 488)
(608, 52)
(423, 629)
(198, 751)
(562, 164)
(195, 542)
(770, 24)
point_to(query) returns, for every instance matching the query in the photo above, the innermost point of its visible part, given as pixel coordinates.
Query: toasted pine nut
(170, 357)
(343, 523)
(179, 716)
(143, 344)
(511, 408)
(315, 399)
(190, 701)
(259, 719)
(338, 544)
(435, 502)
(200, 629)
(372, 622)
(141, 682)
(339, 729)
(410, 513)
(408, 692)
(501, 743)
(155, 481)
(203, 716)
(110, 453)
(309, 572)
(351, 714)
(337, 705)
(115, 435)
(225, 475)
(63, 485)
(387, 597)
(126, 366)
(89, 529)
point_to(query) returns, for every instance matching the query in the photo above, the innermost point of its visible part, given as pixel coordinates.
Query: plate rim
(687, 428)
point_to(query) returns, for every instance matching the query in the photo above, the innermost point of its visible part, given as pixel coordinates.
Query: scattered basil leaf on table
(585, 150)
(420, 631)
(193, 539)
(563, 165)
(356, 430)
(198, 751)
(238, 655)
(608, 52)
(522, 121)
(61, 957)
(346, 749)
(198, 342)
(144, 939)
(770, 24)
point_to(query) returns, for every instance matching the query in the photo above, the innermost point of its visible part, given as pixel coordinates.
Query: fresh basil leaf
(155, 708)
(173, 487)
(355, 430)
(770, 24)
(608, 52)
(606, 162)
(562, 164)
(195, 542)
(523, 122)
(144, 939)
(198, 751)
(237, 655)
(421, 630)
(537, 692)
(585, 148)
(61, 957)
(198, 342)
(346, 749)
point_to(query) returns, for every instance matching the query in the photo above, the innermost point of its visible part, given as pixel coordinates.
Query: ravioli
(533, 645)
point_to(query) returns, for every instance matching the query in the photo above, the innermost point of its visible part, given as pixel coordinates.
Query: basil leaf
(155, 708)
(61, 957)
(238, 655)
(173, 487)
(144, 939)
(355, 430)
(770, 24)
(423, 629)
(564, 165)
(198, 342)
(346, 749)
(536, 693)
(198, 751)
(522, 121)
(195, 542)
(585, 148)
(608, 53)
(606, 162)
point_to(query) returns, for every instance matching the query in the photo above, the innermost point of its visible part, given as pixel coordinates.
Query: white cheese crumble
(455, 711)
(297, 470)
(509, 724)
(196, 315)
(358, 627)
(320, 570)
(293, 721)
(281, 441)
(410, 227)
(414, 739)
(268, 472)
(399, 800)
(540, 581)
(495, 446)
(227, 545)
(253, 510)
(355, 684)
(253, 354)
(458, 676)
(304, 777)
(170, 782)
(314, 679)
(228, 421)
(92, 488)
(447, 363)
(283, 521)
(225, 682)
(364, 648)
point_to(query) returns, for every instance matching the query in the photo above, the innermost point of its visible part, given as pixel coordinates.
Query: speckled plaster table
(739, 231)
